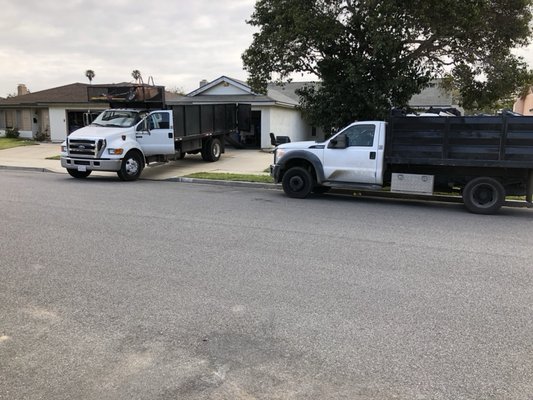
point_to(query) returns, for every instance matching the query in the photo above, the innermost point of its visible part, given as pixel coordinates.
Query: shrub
(40, 136)
(12, 133)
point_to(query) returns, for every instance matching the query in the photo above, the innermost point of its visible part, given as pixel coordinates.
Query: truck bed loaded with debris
(140, 128)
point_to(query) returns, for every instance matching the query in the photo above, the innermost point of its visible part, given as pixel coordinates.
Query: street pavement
(161, 291)
(232, 161)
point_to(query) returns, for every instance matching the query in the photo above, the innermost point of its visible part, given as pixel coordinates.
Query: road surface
(164, 290)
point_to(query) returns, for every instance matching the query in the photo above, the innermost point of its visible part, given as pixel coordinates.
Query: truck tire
(131, 167)
(297, 182)
(212, 150)
(483, 195)
(78, 174)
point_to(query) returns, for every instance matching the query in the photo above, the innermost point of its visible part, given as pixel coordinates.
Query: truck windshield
(117, 119)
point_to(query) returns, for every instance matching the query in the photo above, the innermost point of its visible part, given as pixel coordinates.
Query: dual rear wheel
(483, 195)
(212, 150)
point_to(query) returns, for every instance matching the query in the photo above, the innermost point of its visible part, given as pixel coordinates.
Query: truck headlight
(115, 152)
(63, 148)
(278, 153)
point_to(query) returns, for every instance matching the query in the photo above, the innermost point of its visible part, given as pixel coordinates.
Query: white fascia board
(216, 82)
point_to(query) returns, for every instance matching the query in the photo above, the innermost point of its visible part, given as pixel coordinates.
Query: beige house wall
(524, 105)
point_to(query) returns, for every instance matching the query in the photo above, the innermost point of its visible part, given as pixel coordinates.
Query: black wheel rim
(484, 195)
(296, 183)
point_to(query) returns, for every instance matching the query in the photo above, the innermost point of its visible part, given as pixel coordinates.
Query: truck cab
(119, 140)
(353, 156)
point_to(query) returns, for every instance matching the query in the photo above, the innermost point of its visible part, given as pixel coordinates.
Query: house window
(24, 120)
(313, 131)
(2, 120)
(10, 118)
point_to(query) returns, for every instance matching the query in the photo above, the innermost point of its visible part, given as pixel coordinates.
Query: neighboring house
(433, 96)
(274, 112)
(54, 112)
(524, 104)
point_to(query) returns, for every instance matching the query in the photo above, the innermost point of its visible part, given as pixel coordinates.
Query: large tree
(370, 55)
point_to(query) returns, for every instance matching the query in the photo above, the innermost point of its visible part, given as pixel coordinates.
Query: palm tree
(90, 75)
(136, 74)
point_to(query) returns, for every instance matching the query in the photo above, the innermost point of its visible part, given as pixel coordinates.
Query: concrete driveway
(233, 161)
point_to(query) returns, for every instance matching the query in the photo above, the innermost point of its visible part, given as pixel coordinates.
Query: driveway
(233, 161)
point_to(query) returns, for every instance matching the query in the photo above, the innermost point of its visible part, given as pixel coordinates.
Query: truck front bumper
(275, 171)
(90, 164)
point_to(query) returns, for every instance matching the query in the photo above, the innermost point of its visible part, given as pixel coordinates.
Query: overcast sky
(49, 43)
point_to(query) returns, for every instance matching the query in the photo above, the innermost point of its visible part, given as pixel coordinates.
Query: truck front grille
(85, 147)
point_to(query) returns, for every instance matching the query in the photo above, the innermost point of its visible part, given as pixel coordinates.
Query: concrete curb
(34, 169)
(224, 183)
(180, 179)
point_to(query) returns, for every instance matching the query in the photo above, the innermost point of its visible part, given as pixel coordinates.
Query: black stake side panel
(498, 141)
(192, 120)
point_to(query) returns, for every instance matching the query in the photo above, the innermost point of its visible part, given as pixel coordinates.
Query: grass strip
(8, 143)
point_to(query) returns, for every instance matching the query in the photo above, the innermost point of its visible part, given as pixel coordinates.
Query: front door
(159, 137)
(357, 163)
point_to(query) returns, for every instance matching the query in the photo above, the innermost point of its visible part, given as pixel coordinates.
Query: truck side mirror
(338, 142)
(143, 126)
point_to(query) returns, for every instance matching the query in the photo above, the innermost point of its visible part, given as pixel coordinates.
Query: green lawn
(221, 176)
(7, 143)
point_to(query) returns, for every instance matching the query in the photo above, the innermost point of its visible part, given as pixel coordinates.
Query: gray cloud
(46, 43)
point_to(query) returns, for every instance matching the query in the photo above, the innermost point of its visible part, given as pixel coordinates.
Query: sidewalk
(232, 161)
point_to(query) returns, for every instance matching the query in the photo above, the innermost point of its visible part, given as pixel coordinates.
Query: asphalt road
(160, 290)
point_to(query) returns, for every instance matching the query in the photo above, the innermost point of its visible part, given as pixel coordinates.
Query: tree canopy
(90, 75)
(136, 74)
(371, 55)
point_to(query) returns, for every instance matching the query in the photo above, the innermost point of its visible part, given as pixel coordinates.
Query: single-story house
(276, 112)
(53, 112)
(434, 95)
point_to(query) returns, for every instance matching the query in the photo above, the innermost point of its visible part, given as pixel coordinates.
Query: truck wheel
(212, 150)
(483, 195)
(131, 167)
(78, 174)
(297, 182)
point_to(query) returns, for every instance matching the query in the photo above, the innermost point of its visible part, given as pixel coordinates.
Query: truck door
(358, 161)
(156, 136)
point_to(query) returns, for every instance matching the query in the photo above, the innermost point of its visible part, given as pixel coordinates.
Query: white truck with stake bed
(482, 158)
(143, 129)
